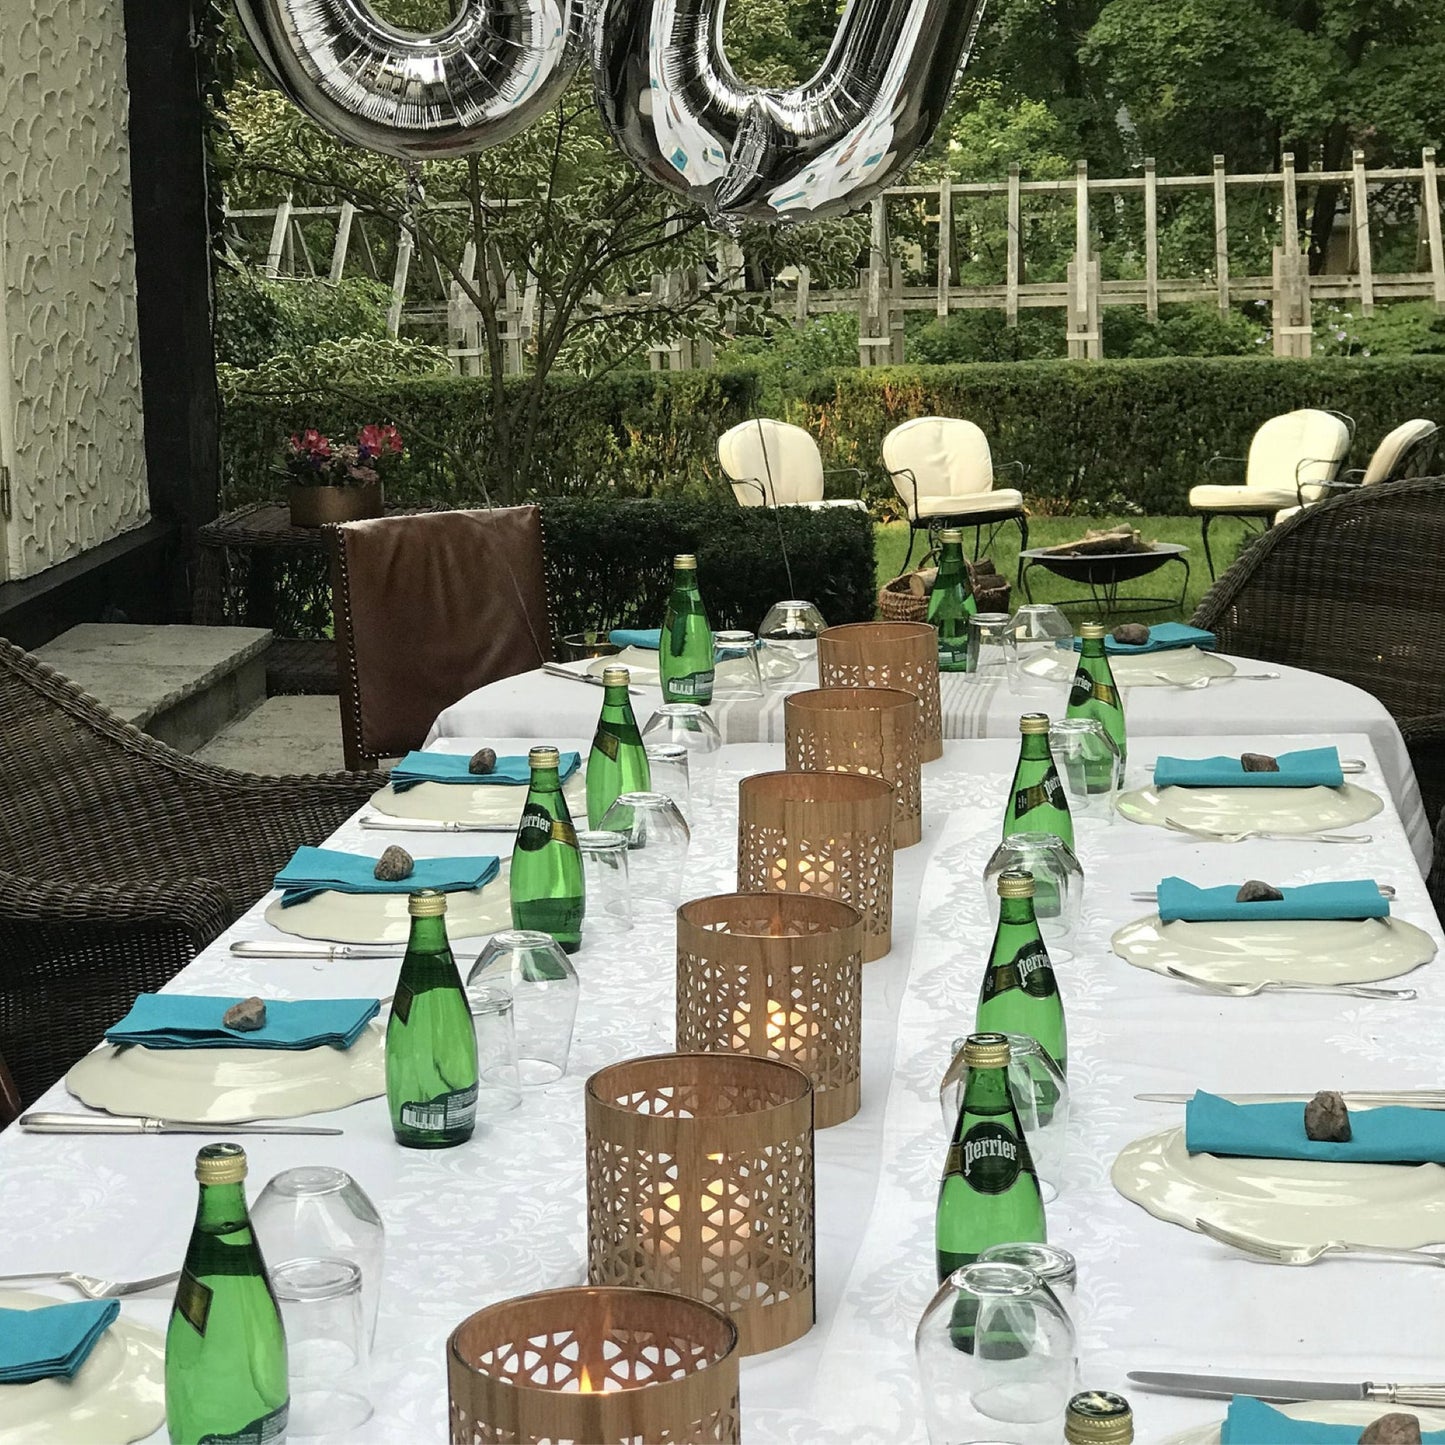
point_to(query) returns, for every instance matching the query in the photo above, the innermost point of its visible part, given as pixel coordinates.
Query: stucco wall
(72, 396)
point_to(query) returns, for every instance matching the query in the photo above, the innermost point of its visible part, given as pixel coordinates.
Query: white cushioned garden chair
(1405, 452)
(1292, 459)
(775, 464)
(943, 471)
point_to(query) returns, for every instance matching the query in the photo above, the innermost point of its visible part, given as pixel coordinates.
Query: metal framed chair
(775, 464)
(1407, 451)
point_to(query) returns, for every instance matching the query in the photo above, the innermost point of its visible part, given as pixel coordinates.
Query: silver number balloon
(493, 70)
(676, 108)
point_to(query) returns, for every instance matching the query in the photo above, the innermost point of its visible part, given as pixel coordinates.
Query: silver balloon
(487, 75)
(674, 105)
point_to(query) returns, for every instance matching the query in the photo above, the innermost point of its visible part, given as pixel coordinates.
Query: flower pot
(315, 506)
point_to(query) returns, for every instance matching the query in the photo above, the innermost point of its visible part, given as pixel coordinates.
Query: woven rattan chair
(120, 859)
(1425, 738)
(9, 1097)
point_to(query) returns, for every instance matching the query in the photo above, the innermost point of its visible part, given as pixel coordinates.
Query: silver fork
(93, 1288)
(1215, 836)
(1273, 1253)
(1248, 990)
(1194, 684)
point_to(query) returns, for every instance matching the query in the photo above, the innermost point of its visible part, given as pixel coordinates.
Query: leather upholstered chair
(427, 608)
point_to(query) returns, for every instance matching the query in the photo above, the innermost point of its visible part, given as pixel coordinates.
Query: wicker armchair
(1425, 738)
(9, 1098)
(120, 859)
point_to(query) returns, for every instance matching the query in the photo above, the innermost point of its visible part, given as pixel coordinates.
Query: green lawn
(890, 542)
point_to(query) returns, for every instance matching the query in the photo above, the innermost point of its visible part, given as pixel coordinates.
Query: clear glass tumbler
(992, 652)
(657, 843)
(1089, 764)
(499, 1087)
(327, 1353)
(691, 725)
(544, 988)
(605, 881)
(667, 765)
(736, 674)
(1058, 886)
(1056, 1267)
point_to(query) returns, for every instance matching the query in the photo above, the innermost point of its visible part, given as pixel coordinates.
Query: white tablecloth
(1296, 702)
(505, 1214)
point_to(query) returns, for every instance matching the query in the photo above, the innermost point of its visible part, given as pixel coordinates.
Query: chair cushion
(1305, 445)
(773, 458)
(1242, 499)
(1006, 500)
(1285, 515)
(1388, 462)
(940, 456)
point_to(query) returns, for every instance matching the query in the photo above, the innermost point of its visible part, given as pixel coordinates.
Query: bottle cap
(426, 903)
(1091, 630)
(986, 1051)
(616, 676)
(544, 757)
(221, 1164)
(1099, 1417)
(951, 534)
(1034, 722)
(684, 562)
(1015, 883)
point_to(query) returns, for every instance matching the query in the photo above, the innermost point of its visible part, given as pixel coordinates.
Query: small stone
(482, 762)
(394, 865)
(247, 1016)
(1396, 1428)
(1258, 763)
(1131, 634)
(1253, 891)
(1327, 1120)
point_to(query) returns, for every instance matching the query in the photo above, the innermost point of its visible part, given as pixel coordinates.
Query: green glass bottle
(431, 1042)
(618, 761)
(226, 1378)
(1037, 802)
(989, 1194)
(546, 878)
(1020, 994)
(686, 653)
(1096, 695)
(952, 603)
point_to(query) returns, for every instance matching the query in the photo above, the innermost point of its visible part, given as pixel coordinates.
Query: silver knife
(1225, 1387)
(434, 825)
(122, 1124)
(261, 948)
(555, 669)
(1151, 895)
(1420, 1098)
(1347, 765)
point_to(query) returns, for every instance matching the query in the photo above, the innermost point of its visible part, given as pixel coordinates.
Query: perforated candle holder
(828, 835)
(778, 976)
(870, 730)
(888, 654)
(594, 1366)
(700, 1181)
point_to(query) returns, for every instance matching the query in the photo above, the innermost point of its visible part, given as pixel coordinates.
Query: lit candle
(813, 874)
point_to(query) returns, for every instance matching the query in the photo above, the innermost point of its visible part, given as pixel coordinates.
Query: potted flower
(330, 483)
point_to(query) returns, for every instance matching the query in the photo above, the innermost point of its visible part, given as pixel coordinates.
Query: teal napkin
(53, 1340)
(1277, 1131)
(648, 637)
(511, 771)
(1359, 898)
(193, 1021)
(1163, 637)
(321, 870)
(1307, 768)
(1252, 1422)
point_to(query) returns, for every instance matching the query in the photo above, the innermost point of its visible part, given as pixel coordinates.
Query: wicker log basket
(905, 598)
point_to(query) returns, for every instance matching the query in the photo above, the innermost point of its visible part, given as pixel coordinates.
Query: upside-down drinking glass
(1089, 764)
(689, 724)
(670, 773)
(736, 673)
(544, 989)
(992, 654)
(605, 883)
(1058, 886)
(1056, 1267)
(1041, 630)
(499, 1087)
(327, 1350)
(657, 843)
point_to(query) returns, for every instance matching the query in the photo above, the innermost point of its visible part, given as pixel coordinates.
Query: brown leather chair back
(427, 608)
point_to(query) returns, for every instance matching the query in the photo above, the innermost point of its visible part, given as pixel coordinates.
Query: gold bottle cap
(986, 1051)
(1015, 883)
(1034, 722)
(544, 757)
(1090, 630)
(951, 534)
(684, 562)
(616, 676)
(426, 903)
(1099, 1417)
(221, 1164)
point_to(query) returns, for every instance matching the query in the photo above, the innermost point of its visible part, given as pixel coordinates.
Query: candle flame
(584, 1383)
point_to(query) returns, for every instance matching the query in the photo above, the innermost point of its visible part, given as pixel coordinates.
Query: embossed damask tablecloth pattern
(504, 1214)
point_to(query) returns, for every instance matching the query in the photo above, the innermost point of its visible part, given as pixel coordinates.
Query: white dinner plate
(1322, 1412)
(1233, 810)
(1286, 1201)
(231, 1086)
(475, 803)
(642, 662)
(334, 917)
(117, 1395)
(1135, 669)
(1345, 950)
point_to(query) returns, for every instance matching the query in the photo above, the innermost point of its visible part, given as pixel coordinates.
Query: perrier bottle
(226, 1377)
(1020, 994)
(1096, 695)
(952, 603)
(686, 650)
(546, 878)
(618, 761)
(1037, 802)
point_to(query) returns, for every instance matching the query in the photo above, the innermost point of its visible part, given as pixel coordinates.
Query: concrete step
(181, 684)
(283, 735)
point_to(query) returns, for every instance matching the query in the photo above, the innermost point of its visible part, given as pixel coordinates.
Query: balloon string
(772, 496)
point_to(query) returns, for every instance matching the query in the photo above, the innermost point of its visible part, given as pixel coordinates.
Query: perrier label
(1096, 695)
(1020, 994)
(1037, 802)
(546, 877)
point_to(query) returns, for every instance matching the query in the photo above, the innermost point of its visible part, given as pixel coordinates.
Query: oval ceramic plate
(1346, 950)
(1135, 669)
(231, 1086)
(333, 917)
(642, 662)
(1234, 810)
(1286, 1201)
(1320, 1412)
(117, 1395)
(474, 803)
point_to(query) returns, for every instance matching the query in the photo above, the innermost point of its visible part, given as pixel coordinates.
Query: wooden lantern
(861, 730)
(700, 1181)
(779, 976)
(888, 654)
(594, 1367)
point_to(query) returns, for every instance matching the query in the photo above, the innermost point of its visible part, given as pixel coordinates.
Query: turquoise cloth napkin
(1307, 768)
(53, 1340)
(1252, 1422)
(1163, 637)
(1277, 1131)
(1358, 898)
(648, 637)
(321, 870)
(511, 771)
(193, 1021)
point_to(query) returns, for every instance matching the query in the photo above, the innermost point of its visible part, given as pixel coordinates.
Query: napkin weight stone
(1258, 763)
(1253, 891)
(247, 1016)
(1327, 1119)
(1396, 1428)
(394, 865)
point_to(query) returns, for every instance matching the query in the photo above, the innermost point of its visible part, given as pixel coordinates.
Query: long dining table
(504, 1215)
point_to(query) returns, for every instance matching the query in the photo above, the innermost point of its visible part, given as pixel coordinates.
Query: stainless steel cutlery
(1225, 1387)
(1273, 1252)
(129, 1124)
(1247, 990)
